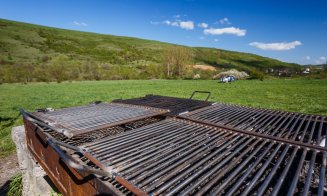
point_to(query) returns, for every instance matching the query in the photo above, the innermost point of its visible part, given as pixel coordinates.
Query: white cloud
(202, 38)
(80, 23)
(167, 22)
(225, 21)
(188, 25)
(307, 58)
(276, 46)
(175, 24)
(228, 30)
(177, 16)
(321, 60)
(203, 25)
(216, 40)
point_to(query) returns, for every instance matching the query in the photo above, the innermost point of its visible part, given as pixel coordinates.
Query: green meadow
(296, 95)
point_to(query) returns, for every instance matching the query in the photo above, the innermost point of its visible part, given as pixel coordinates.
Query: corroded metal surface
(79, 120)
(182, 157)
(174, 104)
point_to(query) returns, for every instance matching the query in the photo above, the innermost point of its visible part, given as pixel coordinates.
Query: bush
(256, 75)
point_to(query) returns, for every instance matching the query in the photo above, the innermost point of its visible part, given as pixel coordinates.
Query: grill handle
(73, 163)
(204, 92)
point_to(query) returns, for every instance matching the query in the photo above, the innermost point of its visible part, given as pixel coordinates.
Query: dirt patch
(8, 168)
(204, 67)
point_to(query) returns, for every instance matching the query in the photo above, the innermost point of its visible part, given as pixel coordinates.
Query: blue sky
(291, 31)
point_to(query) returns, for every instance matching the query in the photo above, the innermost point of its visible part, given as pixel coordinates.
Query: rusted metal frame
(157, 152)
(259, 173)
(277, 126)
(126, 136)
(312, 130)
(218, 171)
(299, 128)
(188, 156)
(232, 117)
(322, 174)
(67, 159)
(250, 169)
(260, 135)
(186, 162)
(305, 129)
(320, 130)
(245, 119)
(297, 173)
(153, 153)
(236, 171)
(264, 185)
(171, 157)
(284, 173)
(310, 171)
(256, 125)
(323, 170)
(262, 188)
(231, 112)
(106, 125)
(162, 184)
(130, 186)
(211, 112)
(281, 131)
(129, 150)
(107, 145)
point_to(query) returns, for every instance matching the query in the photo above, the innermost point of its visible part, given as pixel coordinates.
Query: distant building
(306, 71)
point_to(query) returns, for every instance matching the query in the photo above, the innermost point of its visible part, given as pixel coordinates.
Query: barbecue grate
(174, 104)
(306, 129)
(79, 120)
(177, 156)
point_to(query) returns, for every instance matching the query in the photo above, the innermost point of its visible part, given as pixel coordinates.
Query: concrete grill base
(35, 180)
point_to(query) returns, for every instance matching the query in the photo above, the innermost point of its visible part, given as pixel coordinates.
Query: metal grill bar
(79, 120)
(182, 157)
(174, 104)
(306, 129)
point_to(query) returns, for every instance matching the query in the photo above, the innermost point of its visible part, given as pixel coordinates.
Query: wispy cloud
(229, 30)
(80, 23)
(307, 58)
(203, 25)
(216, 40)
(321, 60)
(177, 16)
(276, 46)
(202, 38)
(225, 21)
(188, 25)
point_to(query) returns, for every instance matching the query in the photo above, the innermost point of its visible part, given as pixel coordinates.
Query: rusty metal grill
(174, 104)
(78, 120)
(182, 157)
(306, 129)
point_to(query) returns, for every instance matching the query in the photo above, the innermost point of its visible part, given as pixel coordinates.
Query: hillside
(29, 45)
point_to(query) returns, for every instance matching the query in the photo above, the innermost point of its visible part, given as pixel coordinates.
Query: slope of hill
(28, 44)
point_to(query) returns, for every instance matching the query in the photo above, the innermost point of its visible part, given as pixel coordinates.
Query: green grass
(306, 96)
(25, 43)
(16, 185)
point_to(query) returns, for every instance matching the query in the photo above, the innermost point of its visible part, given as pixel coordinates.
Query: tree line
(174, 64)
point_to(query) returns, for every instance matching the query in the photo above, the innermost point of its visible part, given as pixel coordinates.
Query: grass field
(306, 96)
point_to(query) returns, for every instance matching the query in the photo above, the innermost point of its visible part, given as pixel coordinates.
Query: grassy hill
(29, 45)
